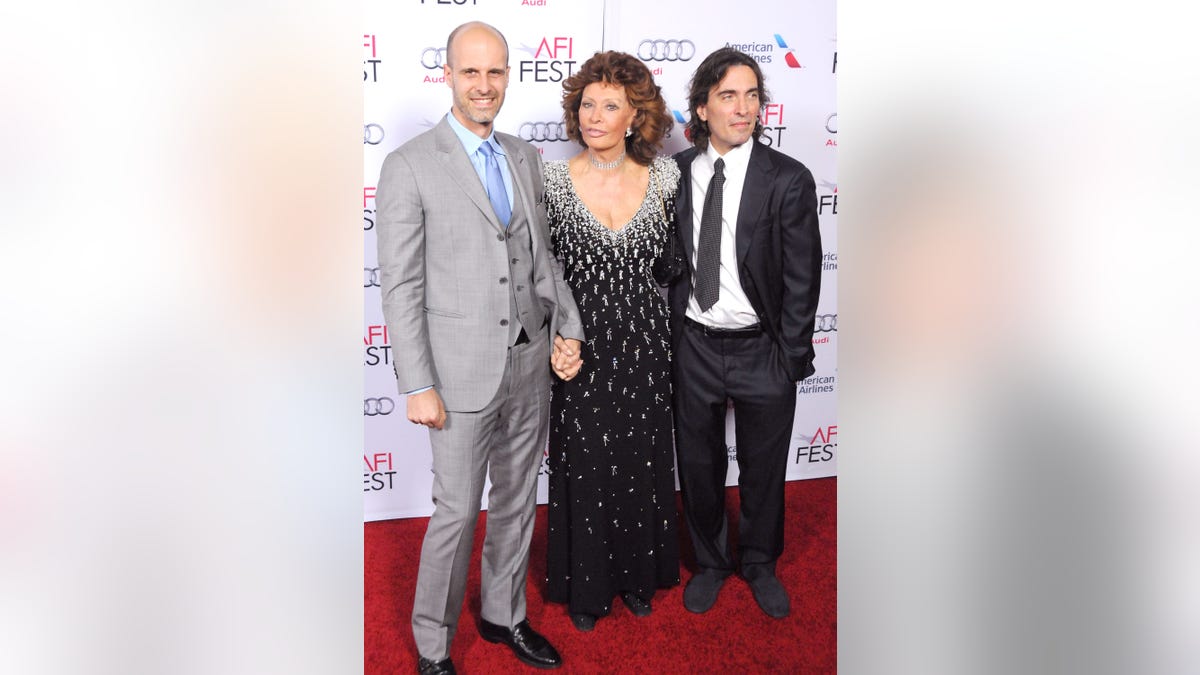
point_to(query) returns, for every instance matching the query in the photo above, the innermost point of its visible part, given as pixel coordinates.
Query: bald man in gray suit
(472, 295)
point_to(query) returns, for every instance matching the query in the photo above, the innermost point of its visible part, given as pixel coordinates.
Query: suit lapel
(522, 183)
(684, 200)
(755, 191)
(462, 172)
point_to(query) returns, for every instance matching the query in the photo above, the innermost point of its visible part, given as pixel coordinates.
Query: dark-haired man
(472, 294)
(742, 322)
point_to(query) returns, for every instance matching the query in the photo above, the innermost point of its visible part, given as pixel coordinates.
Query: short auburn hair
(651, 122)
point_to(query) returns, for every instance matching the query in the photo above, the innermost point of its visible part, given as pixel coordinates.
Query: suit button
(520, 288)
(515, 261)
(504, 280)
(503, 322)
(499, 237)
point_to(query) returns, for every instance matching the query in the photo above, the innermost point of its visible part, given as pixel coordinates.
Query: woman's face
(605, 114)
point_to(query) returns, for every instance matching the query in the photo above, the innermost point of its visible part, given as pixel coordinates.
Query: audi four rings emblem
(433, 57)
(370, 277)
(378, 406)
(372, 134)
(666, 50)
(826, 323)
(543, 131)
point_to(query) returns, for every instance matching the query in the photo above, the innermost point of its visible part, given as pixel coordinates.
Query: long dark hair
(708, 75)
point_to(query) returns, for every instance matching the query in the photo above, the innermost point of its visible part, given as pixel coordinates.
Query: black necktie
(708, 256)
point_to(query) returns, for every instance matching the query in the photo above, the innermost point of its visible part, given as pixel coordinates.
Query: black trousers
(708, 369)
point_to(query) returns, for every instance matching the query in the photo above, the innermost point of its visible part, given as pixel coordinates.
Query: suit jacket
(778, 251)
(441, 254)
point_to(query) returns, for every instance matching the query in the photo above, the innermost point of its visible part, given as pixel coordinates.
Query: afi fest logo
(553, 60)
(368, 213)
(372, 60)
(772, 121)
(379, 473)
(821, 445)
(376, 348)
(827, 202)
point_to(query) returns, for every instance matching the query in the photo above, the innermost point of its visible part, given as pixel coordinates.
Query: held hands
(426, 408)
(566, 359)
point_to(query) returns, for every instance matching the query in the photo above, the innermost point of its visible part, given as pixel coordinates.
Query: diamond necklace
(606, 166)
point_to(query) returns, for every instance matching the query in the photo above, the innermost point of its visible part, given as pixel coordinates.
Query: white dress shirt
(732, 309)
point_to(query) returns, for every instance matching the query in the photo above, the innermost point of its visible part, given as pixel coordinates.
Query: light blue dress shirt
(471, 144)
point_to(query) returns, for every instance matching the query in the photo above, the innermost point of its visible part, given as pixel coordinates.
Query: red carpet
(734, 636)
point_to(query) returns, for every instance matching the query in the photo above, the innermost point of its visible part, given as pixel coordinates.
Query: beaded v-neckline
(619, 230)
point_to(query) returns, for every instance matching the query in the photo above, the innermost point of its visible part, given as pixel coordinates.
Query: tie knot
(486, 149)
(720, 167)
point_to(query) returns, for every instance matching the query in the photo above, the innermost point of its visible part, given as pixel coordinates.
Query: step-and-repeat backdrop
(404, 94)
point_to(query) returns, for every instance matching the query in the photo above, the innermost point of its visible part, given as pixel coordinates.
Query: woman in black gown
(612, 483)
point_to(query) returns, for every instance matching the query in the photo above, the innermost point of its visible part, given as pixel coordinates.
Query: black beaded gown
(612, 516)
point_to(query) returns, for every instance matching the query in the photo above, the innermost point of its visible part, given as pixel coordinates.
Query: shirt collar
(736, 159)
(469, 140)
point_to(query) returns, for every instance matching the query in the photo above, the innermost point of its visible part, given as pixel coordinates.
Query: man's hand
(566, 359)
(426, 408)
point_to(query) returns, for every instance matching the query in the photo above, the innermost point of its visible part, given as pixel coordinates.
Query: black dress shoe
(638, 606)
(770, 595)
(427, 667)
(583, 622)
(530, 647)
(701, 591)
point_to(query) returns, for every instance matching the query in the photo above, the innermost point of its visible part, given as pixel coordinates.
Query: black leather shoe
(583, 622)
(701, 591)
(770, 595)
(427, 667)
(530, 647)
(638, 606)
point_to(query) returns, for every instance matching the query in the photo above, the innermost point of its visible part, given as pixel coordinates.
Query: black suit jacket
(778, 251)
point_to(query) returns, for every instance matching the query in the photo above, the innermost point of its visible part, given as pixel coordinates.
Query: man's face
(732, 109)
(476, 71)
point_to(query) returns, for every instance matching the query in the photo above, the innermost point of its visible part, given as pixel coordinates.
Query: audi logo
(543, 131)
(370, 277)
(826, 323)
(433, 57)
(372, 134)
(831, 123)
(666, 50)
(378, 406)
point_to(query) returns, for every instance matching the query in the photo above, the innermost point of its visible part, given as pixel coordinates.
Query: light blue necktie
(495, 185)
